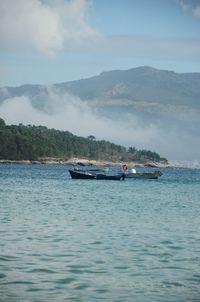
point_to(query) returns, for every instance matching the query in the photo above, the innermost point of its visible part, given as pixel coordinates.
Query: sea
(98, 240)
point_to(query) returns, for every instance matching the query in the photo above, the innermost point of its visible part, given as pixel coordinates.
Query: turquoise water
(88, 240)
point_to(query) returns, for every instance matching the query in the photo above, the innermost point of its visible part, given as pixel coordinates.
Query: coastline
(86, 162)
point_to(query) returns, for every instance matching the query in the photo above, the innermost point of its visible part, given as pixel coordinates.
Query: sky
(52, 41)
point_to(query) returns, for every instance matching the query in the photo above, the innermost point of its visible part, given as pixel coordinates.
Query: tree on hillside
(2, 124)
(35, 142)
(92, 137)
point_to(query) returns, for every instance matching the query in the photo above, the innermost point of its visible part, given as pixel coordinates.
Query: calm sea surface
(88, 240)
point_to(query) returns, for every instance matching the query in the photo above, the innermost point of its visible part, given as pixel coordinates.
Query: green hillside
(19, 142)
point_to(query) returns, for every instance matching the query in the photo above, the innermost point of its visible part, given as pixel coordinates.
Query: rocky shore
(85, 162)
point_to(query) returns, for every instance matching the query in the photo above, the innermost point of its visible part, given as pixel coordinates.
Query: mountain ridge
(143, 83)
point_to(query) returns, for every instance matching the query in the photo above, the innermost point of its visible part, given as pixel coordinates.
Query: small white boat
(142, 174)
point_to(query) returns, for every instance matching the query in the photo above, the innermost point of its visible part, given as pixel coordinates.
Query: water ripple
(65, 240)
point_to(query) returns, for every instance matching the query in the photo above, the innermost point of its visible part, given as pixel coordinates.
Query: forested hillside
(19, 142)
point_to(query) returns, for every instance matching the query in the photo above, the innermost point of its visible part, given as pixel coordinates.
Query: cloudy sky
(50, 41)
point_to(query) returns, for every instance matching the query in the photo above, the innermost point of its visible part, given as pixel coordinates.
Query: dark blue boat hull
(80, 175)
(98, 176)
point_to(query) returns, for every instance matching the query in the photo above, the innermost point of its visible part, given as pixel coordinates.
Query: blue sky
(51, 41)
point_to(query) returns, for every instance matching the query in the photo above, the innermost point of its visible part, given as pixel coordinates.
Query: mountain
(142, 84)
(143, 107)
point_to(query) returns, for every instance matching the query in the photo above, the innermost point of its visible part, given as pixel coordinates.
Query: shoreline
(86, 162)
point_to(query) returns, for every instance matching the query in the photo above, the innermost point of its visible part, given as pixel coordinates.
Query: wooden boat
(93, 175)
(143, 174)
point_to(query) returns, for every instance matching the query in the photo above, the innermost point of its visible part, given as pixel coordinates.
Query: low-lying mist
(170, 138)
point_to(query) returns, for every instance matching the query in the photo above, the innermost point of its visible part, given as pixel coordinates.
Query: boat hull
(80, 175)
(144, 175)
(109, 177)
(98, 176)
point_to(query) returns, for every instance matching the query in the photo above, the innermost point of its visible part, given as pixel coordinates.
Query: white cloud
(197, 12)
(67, 112)
(45, 25)
(184, 4)
(190, 6)
(19, 110)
